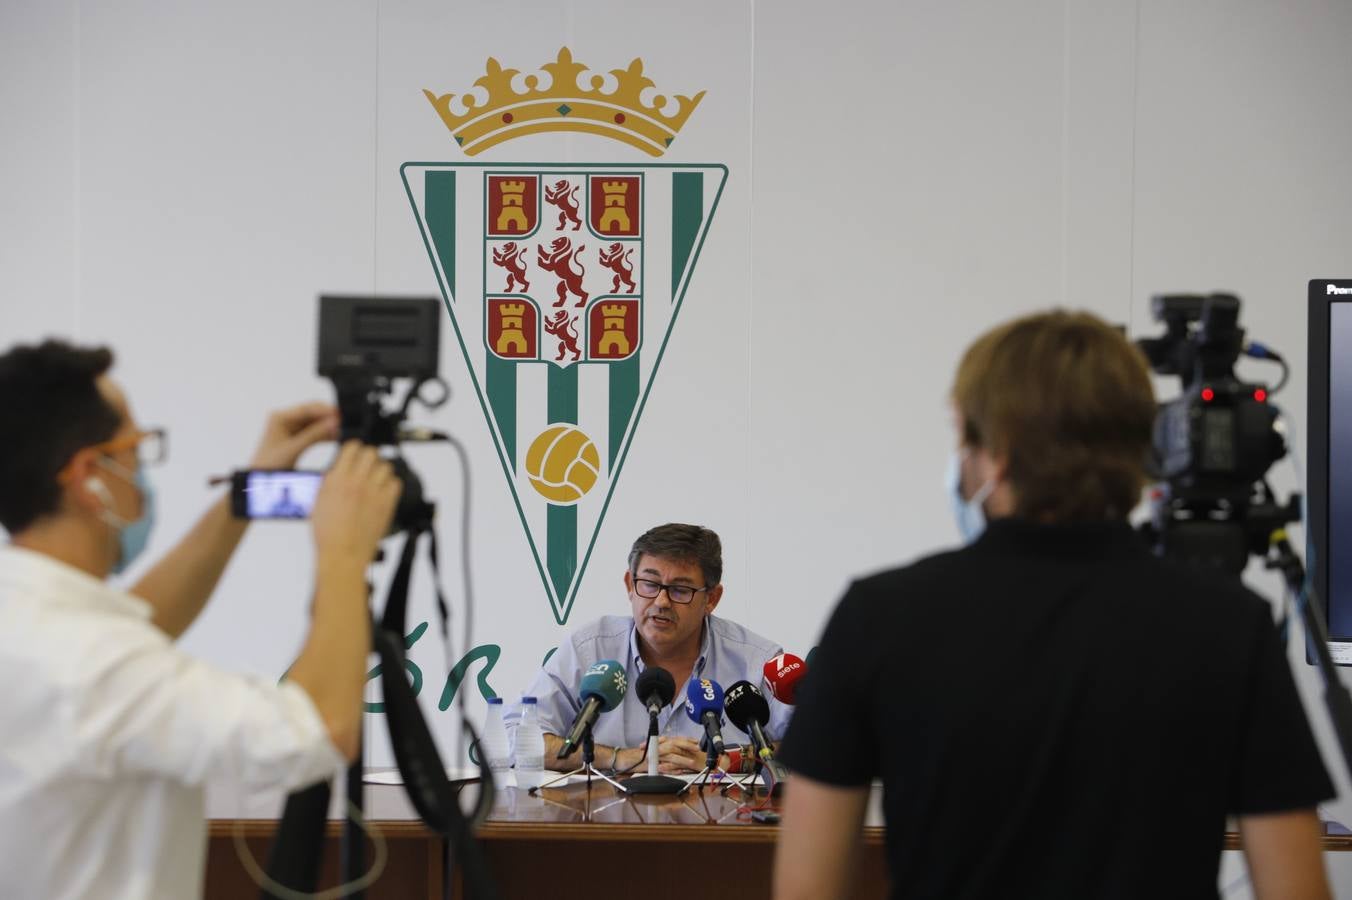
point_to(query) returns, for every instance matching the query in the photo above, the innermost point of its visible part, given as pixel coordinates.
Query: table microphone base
(707, 776)
(774, 784)
(587, 769)
(654, 784)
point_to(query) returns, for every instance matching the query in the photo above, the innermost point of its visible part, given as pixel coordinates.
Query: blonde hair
(1066, 399)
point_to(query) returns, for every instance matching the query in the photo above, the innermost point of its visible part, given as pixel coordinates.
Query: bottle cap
(529, 699)
(495, 700)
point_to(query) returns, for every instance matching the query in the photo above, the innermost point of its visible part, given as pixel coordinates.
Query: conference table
(588, 834)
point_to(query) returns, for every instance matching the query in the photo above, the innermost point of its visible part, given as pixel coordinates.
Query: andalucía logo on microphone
(564, 312)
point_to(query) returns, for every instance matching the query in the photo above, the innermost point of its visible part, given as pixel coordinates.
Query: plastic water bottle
(493, 745)
(530, 746)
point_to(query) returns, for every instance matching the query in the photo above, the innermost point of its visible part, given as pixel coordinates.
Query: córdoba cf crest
(563, 282)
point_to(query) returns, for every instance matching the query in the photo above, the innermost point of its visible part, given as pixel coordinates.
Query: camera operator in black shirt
(1053, 710)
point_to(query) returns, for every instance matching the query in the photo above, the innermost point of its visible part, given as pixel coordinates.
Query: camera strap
(296, 853)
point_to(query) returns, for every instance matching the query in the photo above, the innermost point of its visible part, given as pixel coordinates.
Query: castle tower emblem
(512, 328)
(513, 205)
(614, 328)
(615, 204)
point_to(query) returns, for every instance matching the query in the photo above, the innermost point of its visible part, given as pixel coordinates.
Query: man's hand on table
(679, 756)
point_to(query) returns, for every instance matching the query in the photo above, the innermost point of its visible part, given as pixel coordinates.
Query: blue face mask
(132, 537)
(967, 513)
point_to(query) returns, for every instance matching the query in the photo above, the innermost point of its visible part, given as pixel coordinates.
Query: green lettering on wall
(415, 673)
(489, 653)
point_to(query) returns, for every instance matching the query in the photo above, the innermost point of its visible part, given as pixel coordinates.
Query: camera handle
(1283, 558)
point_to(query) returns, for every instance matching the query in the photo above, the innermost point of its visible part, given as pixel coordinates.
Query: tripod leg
(353, 851)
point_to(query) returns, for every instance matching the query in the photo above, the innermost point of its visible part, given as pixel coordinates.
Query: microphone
(704, 704)
(656, 688)
(601, 690)
(782, 674)
(748, 710)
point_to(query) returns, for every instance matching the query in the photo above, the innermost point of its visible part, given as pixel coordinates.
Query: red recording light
(1260, 395)
(1208, 395)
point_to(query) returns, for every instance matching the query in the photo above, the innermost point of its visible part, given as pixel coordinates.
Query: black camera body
(365, 344)
(1215, 443)
(1219, 435)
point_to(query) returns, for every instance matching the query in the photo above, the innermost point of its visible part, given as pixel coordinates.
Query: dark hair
(1067, 399)
(50, 407)
(686, 543)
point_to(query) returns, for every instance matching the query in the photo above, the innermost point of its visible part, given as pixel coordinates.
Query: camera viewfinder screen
(281, 495)
(1340, 472)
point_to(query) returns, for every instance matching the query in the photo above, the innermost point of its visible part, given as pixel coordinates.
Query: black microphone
(656, 688)
(748, 709)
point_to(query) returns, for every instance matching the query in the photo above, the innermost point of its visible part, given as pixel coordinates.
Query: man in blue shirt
(674, 583)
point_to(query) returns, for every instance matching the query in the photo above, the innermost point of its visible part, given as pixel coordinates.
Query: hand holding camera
(290, 432)
(355, 504)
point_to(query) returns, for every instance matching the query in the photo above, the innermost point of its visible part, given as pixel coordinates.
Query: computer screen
(1329, 478)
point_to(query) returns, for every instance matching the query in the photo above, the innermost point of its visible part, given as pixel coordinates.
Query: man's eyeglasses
(679, 593)
(152, 445)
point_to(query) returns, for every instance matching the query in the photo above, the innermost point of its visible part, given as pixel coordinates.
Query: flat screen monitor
(1329, 477)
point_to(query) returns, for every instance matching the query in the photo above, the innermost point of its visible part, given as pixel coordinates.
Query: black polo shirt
(1055, 712)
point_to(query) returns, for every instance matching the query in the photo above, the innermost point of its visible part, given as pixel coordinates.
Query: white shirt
(108, 733)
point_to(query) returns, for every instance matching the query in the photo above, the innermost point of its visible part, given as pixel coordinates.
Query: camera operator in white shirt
(110, 730)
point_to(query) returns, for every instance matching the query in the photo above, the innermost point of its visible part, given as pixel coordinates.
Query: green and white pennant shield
(563, 282)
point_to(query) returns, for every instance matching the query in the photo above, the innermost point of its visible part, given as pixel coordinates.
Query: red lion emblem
(560, 259)
(616, 258)
(564, 196)
(561, 326)
(509, 257)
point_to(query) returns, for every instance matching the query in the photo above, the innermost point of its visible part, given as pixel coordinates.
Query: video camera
(1214, 443)
(365, 344)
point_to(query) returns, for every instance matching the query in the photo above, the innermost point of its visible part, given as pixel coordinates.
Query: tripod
(296, 852)
(1336, 698)
(764, 765)
(587, 768)
(711, 769)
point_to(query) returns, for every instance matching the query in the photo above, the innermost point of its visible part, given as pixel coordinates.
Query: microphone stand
(739, 783)
(775, 786)
(587, 768)
(710, 770)
(653, 783)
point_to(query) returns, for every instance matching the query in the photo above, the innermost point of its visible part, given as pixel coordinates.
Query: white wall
(182, 181)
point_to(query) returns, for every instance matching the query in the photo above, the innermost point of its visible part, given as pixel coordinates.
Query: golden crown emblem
(562, 105)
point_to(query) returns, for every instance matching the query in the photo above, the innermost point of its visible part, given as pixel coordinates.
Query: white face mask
(969, 514)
